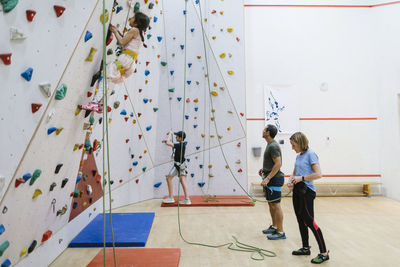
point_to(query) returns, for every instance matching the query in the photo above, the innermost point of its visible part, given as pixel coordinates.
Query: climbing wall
(52, 158)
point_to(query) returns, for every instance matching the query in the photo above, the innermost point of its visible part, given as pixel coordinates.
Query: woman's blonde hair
(300, 139)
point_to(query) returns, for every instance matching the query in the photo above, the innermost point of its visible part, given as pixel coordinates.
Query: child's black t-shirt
(177, 152)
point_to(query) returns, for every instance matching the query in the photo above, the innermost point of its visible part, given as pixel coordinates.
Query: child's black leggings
(304, 208)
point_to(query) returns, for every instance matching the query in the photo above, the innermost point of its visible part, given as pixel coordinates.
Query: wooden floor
(358, 231)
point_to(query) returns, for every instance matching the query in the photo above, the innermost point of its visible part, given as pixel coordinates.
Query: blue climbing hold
(146, 72)
(187, 117)
(88, 36)
(135, 163)
(192, 175)
(197, 148)
(119, 9)
(196, 109)
(188, 160)
(192, 29)
(145, 100)
(27, 75)
(172, 72)
(6, 263)
(75, 205)
(197, 1)
(51, 130)
(184, 12)
(201, 166)
(123, 112)
(195, 126)
(148, 128)
(159, 38)
(155, 19)
(182, 47)
(179, 98)
(201, 184)
(189, 65)
(27, 176)
(78, 179)
(189, 82)
(2, 229)
(157, 185)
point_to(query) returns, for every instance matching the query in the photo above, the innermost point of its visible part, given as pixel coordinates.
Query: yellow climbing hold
(212, 118)
(230, 29)
(210, 166)
(145, 151)
(76, 146)
(101, 17)
(22, 253)
(196, 100)
(215, 84)
(226, 166)
(214, 93)
(77, 111)
(37, 193)
(134, 121)
(203, 135)
(130, 169)
(214, 37)
(84, 204)
(231, 72)
(223, 55)
(91, 54)
(229, 128)
(58, 131)
(213, 110)
(109, 120)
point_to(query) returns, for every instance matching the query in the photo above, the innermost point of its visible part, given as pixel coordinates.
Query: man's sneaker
(302, 251)
(276, 236)
(169, 200)
(320, 259)
(270, 230)
(93, 106)
(185, 201)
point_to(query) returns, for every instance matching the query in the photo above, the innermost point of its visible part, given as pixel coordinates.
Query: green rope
(106, 150)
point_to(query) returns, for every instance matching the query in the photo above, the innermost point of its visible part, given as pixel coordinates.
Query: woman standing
(301, 182)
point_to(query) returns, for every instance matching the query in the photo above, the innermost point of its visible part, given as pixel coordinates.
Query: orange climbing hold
(59, 10)
(6, 58)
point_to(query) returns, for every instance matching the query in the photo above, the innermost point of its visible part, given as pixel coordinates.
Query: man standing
(273, 180)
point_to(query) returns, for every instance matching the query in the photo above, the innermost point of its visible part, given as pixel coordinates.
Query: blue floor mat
(130, 230)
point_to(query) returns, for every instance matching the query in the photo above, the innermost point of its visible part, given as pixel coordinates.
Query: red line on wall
(348, 6)
(323, 119)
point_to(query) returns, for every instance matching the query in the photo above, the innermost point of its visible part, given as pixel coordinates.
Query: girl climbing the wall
(124, 65)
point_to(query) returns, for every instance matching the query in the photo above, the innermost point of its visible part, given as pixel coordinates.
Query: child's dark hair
(142, 22)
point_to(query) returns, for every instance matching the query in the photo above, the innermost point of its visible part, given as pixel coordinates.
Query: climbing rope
(235, 246)
(106, 149)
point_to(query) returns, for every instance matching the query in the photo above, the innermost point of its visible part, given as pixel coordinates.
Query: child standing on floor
(179, 167)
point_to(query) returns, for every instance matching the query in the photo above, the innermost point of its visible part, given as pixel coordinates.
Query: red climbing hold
(108, 109)
(127, 140)
(35, 107)
(125, 97)
(241, 114)
(140, 136)
(80, 146)
(30, 14)
(6, 58)
(46, 236)
(121, 181)
(240, 170)
(239, 144)
(109, 40)
(139, 114)
(19, 181)
(213, 12)
(140, 90)
(89, 94)
(187, 100)
(59, 10)
(147, 63)
(98, 178)
(238, 39)
(95, 144)
(137, 181)
(126, 118)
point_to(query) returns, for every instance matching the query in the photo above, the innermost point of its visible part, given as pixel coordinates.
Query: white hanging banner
(281, 107)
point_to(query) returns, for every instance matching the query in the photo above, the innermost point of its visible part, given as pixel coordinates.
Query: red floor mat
(202, 201)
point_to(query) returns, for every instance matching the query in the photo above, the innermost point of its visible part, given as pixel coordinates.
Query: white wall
(306, 47)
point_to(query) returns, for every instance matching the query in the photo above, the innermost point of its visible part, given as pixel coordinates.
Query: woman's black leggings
(304, 208)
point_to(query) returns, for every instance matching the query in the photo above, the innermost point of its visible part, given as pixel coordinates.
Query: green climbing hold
(155, 109)
(8, 5)
(149, 36)
(91, 120)
(35, 175)
(76, 193)
(61, 92)
(163, 63)
(136, 8)
(171, 90)
(3, 247)
(144, 169)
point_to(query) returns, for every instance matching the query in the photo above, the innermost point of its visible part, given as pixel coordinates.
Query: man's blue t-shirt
(304, 164)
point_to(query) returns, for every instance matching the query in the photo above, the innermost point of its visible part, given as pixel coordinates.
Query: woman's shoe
(302, 251)
(320, 259)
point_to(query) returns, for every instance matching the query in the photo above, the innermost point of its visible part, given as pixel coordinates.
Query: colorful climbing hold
(36, 174)
(37, 193)
(51, 130)
(59, 10)
(27, 74)
(35, 107)
(19, 181)
(135, 163)
(144, 169)
(30, 14)
(46, 236)
(119, 9)
(157, 184)
(231, 72)
(106, 17)
(22, 252)
(155, 109)
(229, 29)
(214, 93)
(88, 36)
(61, 92)
(8, 5)
(201, 184)
(222, 55)
(148, 128)
(136, 7)
(6, 58)
(91, 54)
(146, 72)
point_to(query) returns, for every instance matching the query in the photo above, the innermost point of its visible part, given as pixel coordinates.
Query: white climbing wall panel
(142, 110)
